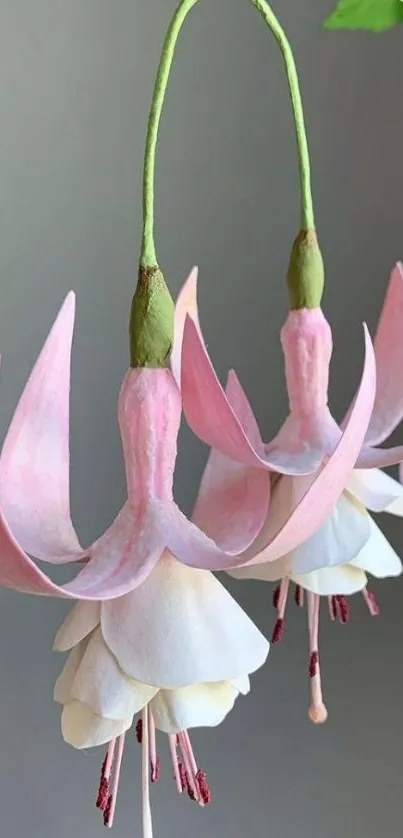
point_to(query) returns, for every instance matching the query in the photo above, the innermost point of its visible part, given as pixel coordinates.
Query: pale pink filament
(174, 756)
(332, 609)
(110, 811)
(371, 602)
(317, 710)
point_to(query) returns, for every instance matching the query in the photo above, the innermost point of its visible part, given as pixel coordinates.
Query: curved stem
(147, 254)
(307, 214)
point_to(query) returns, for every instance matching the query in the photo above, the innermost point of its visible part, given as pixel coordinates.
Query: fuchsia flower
(149, 633)
(334, 561)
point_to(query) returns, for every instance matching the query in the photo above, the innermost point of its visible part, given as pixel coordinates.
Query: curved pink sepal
(315, 496)
(186, 304)
(388, 343)
(212, 418)
(233, 499)
(118, 562)
(34, 463)
(379, 457)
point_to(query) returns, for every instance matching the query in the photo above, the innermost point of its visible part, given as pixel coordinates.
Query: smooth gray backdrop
(75, 84)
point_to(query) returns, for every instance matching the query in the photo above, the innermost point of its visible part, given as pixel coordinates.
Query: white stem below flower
(145, 774)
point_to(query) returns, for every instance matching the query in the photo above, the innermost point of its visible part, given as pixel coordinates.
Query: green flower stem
(305, 277)
(147, 253)
(307, 214)
(151, 328)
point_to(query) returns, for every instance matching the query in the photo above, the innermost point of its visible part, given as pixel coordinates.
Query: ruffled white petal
(378, 556)
(330, 581)
(201, 705)
(266, 572)
(242, 684)
(103, 687)
(337, 541)
(82, 728)
(80, 621)
(62, 690)
(181, 627)
(376, 490)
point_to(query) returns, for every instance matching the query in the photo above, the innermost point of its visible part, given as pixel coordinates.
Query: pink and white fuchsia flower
(149, 634)
(348, 545)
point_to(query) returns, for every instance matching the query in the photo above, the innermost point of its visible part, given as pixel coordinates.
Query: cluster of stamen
(188, 777)
(338, 610)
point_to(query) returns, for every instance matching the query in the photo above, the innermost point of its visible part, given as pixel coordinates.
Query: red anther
(278, 631)
(297, 595)
(313, 664)
(107, 811)
(332, 607)
(343, 610)
(183, 776)
(276, 597)
(204, 788)
(190, 792)
(103, 793)
(155, 770)
(139, 731)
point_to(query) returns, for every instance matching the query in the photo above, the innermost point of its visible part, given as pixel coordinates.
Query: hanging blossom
(149, 634)
(309, 433)
(349, 531)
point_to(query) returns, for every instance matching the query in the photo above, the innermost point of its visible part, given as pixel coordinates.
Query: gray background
(76, 79)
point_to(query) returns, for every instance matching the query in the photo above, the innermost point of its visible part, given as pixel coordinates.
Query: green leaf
(375, 15)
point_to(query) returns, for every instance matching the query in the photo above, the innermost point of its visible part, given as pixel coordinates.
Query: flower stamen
(317, 711)
(299, 596)
(172, 739)
(154, 758)
(331, 601)
(139, 731)
(109, 812)
(281, 600)
(371, 602)
(103, 791)
(342, 609)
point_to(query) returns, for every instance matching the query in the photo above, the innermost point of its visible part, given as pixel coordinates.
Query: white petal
(337, 541)
(101, 685)
(80, 621)
(200, 705)
(82, 728)
(376, 490)
(378, 556)
(242, 684)
(181, 627)
(330, 581)
(62, 690)
(265, 572)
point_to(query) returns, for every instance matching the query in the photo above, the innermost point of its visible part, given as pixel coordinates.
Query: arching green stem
(305, 277)
(147, 254)
(307, 214)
